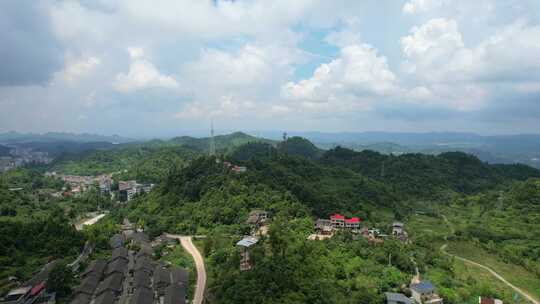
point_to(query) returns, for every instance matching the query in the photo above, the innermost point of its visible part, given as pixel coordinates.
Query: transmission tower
(212, 142)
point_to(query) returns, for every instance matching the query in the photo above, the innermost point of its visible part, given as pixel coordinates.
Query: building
(352, 223)
(243, 246)
(396, 298)
(397, 228)
(323, 226)
(175, 294)
(238, 169)
(484, 300)
(257, 217)
(116, 241)
(424, 293)
(337, 220)
(142, 296)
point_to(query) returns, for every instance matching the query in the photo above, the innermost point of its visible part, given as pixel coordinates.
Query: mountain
(16, 137)
(427, 175)
(4, 151)
(299, 146)
(224, 143)
(521, 148)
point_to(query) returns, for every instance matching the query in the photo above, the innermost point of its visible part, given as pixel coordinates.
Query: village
(418, 292)
(123, 192)
(132, 274)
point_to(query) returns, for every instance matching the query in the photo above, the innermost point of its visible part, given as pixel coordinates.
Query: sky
(168, 67)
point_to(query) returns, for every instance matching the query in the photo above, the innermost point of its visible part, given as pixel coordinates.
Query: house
(337, 220)
(484, 300)
(17, 295)
(116, 241)
(96, 268)
(238, 169)
(146, 250)
(257, 217)
(141, 279)
(424, 293)
(396, 298)
(107, 297)
(162, 279)
(179, 276)
(143, 264)
(142, 296)
(88, 285)
(119, 253)
(397, 228)
(352, 223)
(113, 283)
(175, 294)
(323, 226)
(118, 266)
(243, 246)
(81, 298)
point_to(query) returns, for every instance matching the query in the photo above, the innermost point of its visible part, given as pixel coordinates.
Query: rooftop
(423, 287)
(247, 241)
(352, 220)
(175, 294)
(397, 297)
(142, 296)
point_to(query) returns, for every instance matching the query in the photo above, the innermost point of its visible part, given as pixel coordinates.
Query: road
(498, 276)
(90, 221)
(186, 242)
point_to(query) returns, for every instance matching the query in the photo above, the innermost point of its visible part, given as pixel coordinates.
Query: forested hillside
(422, 175)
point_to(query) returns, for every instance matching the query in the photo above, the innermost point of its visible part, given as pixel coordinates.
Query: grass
(515, 274)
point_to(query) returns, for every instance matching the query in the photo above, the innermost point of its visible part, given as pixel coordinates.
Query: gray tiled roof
(112, 283)
(142, 296)
(106, 297)
(175, 294)
(179, 276)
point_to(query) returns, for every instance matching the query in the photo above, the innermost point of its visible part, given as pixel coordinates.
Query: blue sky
(168, 67)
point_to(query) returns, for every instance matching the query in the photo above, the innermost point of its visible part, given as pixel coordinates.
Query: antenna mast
(212, 142)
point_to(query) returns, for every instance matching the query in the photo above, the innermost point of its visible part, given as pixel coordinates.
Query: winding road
(495, 274)
(188, 245)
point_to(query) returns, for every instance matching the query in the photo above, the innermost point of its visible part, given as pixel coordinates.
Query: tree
(60, 280)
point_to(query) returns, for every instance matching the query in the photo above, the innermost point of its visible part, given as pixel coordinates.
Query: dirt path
(498, 276)
(188, 245)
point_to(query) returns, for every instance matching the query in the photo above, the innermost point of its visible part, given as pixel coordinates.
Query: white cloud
(418, 6)
(357, 75)
(142, 74)
(76, 68)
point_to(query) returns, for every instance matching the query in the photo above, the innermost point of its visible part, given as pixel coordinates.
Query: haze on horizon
(145, 68)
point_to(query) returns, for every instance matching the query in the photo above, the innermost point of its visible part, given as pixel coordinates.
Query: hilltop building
(243, 246)
(396, 298)
(424, 293)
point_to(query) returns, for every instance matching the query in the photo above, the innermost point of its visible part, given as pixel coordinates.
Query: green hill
(224, 143)
(427, 175)
(299, 146)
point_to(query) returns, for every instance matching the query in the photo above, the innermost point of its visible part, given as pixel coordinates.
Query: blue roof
(247, 241)
(423, 287)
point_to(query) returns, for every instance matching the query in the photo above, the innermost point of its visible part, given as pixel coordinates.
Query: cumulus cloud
(76, 68)
(418, 6)
(357, 74)
(142, 75)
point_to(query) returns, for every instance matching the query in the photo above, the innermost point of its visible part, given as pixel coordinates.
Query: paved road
(186, 242)
(90, 222)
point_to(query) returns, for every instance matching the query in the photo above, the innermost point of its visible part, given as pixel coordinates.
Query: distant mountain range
(16, 137)
(523, 148)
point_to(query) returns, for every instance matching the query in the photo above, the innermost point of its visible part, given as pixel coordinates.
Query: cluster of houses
(423, 292)
(325, 228)
(33, 291)
(131, 275)
(19, 156)
(128, 189)
(79, 184)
